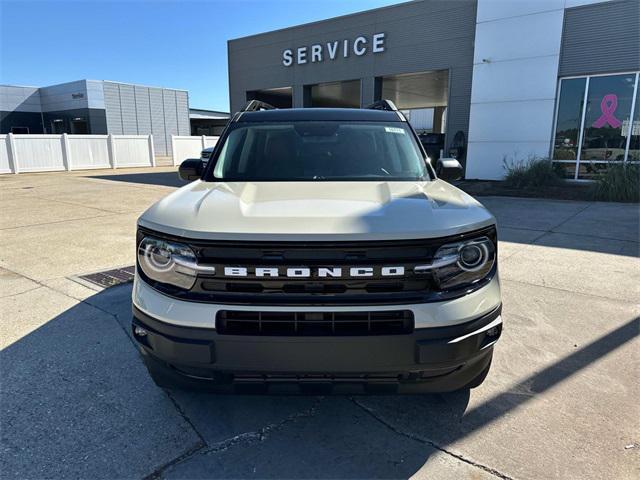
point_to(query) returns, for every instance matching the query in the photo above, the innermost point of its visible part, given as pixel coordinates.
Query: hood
(316, 211)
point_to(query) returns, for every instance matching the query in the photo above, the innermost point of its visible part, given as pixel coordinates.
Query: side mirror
(449, 169)
(191, 169)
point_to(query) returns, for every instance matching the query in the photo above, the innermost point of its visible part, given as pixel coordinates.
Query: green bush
(535, 172)
(619, 183)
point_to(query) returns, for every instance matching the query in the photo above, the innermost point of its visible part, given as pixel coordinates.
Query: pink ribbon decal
(608, 107)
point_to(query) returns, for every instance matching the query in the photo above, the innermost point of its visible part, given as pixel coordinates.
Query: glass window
(602, 126)
(591, 169)
(565, 168)
(320, 150)
(569, 118)
(335, 94)
(634, 146)
(608, 107)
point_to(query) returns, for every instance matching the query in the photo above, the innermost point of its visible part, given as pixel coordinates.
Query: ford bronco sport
(318, 247)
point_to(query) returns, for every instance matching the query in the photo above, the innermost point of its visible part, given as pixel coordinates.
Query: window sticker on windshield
(394, 130)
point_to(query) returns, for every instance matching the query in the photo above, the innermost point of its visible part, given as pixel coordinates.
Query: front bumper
(427, 315)
(435, 359)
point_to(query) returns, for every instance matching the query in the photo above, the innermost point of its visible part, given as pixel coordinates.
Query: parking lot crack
(21, 293)
(553, 229)
(241, 439)
(245, 438)
(431, 443)
(262, 433)
(189, 453)
(75, 204)
(185, 417)
(32, 225)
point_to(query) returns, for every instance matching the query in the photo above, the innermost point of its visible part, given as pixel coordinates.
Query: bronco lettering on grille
(320, 272)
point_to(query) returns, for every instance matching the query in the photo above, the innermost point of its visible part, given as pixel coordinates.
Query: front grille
(314, 290)
(205, 154)
(233, 322)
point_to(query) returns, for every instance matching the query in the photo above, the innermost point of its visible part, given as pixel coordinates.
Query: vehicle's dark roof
(302, 114)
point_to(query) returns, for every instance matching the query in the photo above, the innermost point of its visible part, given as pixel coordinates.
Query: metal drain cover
(109, 278)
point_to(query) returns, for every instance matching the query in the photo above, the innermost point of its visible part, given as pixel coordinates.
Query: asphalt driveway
(561, 400)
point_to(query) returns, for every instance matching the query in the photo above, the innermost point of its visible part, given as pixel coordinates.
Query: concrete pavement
(560, 401)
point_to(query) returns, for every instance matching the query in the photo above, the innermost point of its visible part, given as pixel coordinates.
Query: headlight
(461, 264)
(168, 262)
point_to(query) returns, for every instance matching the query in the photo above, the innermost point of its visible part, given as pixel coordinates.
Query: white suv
(318, 248)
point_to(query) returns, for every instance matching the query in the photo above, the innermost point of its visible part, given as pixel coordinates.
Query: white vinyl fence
(190, 147)
(5, 162)
(39, 153)
(47, 153)
(133, 151)
(89, 151)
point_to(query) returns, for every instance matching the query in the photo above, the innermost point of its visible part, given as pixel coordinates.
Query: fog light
(140, 332)
(493, 332)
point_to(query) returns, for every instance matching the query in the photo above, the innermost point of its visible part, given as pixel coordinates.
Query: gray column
(301, 96)
(370, 90)
(298, 96)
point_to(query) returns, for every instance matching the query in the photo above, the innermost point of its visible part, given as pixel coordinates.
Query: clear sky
(155, 42)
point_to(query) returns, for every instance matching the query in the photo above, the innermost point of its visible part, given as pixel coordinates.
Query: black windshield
(317, 151)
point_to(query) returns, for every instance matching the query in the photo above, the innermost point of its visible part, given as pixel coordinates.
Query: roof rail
(256, 105)
(383, 105)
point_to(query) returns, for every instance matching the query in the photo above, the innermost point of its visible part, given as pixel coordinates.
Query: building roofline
(93, 80)
(19, 86)
(143, 85)
(218, 112)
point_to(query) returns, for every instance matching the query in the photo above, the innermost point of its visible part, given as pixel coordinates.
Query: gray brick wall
(19, 99)
(182, 109)
(112, 108)
(66, 96)
(170, 114)
(143, 109)
(128, 109)
(140, 110)
(157, 122)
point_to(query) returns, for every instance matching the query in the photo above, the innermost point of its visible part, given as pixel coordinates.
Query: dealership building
(498, 80)
(96, 107)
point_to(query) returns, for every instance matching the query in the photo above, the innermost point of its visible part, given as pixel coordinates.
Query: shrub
(535, 172)
(619, 183)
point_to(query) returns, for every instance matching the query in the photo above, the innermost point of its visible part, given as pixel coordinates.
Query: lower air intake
(396, 322)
